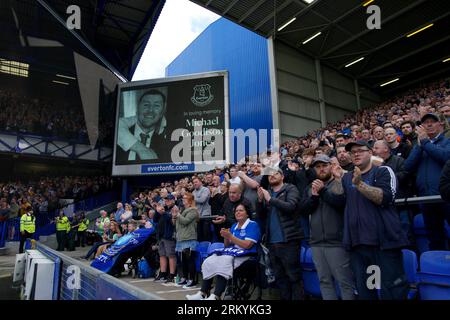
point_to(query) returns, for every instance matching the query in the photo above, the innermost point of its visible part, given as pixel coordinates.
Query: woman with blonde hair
(113, 235)
(186, 233)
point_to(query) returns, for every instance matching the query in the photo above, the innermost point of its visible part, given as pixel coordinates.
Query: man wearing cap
(277, 209)
(428, 159)
(372, 228)
(326, 211)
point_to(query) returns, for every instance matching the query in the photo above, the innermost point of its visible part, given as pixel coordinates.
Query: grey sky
(180, 22)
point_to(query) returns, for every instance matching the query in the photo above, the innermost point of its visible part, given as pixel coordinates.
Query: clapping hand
(316, 187)
(263, 194)
(337, 172)
(357, 179)
(219, 220)
(421, 133)
(225, 233)
(175, 212)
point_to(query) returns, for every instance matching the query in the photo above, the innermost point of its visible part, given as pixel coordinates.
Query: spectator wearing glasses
(372, 228)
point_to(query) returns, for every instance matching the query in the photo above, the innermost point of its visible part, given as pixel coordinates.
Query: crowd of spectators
(334, 187)
(45, 195)
(44, 117)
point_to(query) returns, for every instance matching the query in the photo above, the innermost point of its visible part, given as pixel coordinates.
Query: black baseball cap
(429, 115)
(362, 143)
(321, 158)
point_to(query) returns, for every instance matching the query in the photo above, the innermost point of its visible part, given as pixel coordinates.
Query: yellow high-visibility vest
(83, 225)
(27, 223)
(62, 224)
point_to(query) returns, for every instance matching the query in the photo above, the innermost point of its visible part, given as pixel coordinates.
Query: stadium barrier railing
(93, 284)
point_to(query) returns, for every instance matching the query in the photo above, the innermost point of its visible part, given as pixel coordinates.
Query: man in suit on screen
(144, 137)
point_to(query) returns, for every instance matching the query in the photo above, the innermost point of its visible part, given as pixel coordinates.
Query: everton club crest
(202, 95)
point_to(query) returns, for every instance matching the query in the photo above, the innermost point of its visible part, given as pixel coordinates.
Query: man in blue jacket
(428, 159)
(372, 228)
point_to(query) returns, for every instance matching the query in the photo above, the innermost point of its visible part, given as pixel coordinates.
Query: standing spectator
(409, 134)
(378, 133)
(165, 236)
(278, 209)
(372, 229)
(344, 158)
(186, 231)
(428, 159)
(13, 208)
(233, 177)
(251, 184)
(4, 211)
(397, 148)
(381, 149)
(226, 218)
(326, 209)
(120, 210)
(444, 185)
(201, 196)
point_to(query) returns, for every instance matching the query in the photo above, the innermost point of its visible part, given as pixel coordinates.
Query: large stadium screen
(172, 125)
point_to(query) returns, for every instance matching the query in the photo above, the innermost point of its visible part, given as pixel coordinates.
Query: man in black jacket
(277, 208)
(405, 183)
(326, 209)
(226, 218)
(444, 185)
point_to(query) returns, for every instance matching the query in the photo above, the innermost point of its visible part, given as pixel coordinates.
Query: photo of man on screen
(144, 137)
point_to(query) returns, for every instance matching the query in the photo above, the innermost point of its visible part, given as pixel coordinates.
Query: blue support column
(124, 190)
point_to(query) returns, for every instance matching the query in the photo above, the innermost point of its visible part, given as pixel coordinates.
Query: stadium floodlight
(365, 4)
(356, 61)
(60, 82)
(389, 82)
(286, 24)
(446, 60)
(67, 77)
(420, 30)
(314, 36)
(308, 1)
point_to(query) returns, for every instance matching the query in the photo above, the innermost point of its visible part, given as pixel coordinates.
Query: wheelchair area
(163, 290)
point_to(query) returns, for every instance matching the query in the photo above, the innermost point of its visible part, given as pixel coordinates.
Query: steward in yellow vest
(62, 228)
(81, 235)
(27, 227)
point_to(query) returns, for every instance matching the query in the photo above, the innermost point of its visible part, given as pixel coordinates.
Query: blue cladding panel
(225, 45)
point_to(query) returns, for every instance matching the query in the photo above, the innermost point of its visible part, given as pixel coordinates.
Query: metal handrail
(419, 200)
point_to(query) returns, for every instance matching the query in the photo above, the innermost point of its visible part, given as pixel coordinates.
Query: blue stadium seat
(310, 278)
(434, 276)
(410, 266)
(202, 249)
(215, 245)
(302, 254)
(420, 233)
